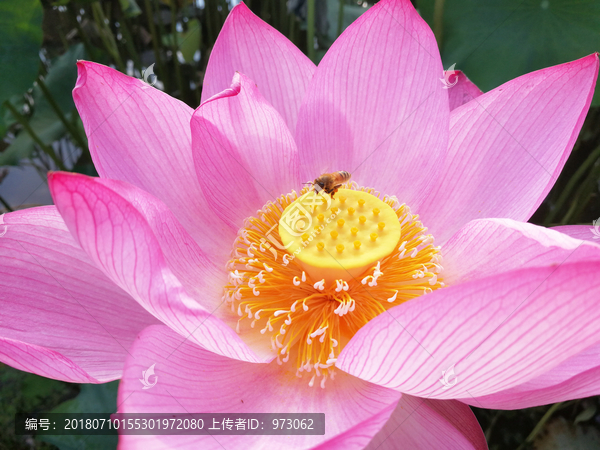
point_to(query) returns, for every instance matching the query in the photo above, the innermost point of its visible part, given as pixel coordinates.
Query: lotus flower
(156, 263)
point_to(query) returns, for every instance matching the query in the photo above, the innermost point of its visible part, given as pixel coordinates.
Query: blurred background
(40, 41)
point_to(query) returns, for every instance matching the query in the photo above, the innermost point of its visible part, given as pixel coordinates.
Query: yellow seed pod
(319, 254)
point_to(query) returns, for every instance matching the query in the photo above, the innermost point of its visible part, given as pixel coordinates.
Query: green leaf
(48, 128)
(20, 41)
(60, 81)
(351, 12)
(560, 435)
(93, 398)
(26, 392)
(188, 41)
(130, 8)
(586, 414)
(493, 42)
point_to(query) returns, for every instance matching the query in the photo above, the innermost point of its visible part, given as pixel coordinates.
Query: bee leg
(333, 191)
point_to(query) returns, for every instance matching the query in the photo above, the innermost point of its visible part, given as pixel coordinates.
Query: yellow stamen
(305, 317)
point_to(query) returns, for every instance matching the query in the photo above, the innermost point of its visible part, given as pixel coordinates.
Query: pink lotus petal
(508, 146)
(487, 247)
(53, 364)
(61, 317)
(191, 379)
(493, 333)
(202, 279)
(120, 242)
(244, 153)
(584, 232)
(419, 423)
(376, 106)
(527, 395)
(576, 377)
(360, 435)
(248, 45)
(141, 135)
(463, 91)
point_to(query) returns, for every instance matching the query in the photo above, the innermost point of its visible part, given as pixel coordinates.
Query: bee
(330, 182)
